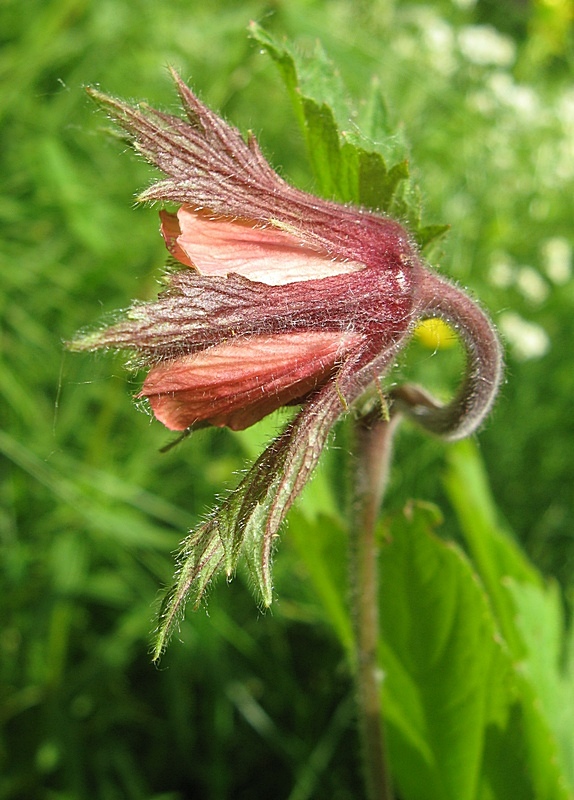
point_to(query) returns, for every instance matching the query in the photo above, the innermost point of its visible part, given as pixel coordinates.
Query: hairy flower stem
(372, 449)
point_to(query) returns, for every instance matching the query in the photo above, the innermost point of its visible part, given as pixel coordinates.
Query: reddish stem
(372, 449)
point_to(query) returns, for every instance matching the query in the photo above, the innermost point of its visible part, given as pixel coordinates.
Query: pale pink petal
(170, 231)
(238, 383)
(220, 245)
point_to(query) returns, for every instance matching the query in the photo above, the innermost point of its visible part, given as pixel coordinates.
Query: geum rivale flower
(280, 298)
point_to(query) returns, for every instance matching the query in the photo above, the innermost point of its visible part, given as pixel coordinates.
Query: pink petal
(219, 246)
(170, 231)
(239, 382)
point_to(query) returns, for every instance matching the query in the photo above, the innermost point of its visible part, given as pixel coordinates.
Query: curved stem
(372, 450)
(464, 414)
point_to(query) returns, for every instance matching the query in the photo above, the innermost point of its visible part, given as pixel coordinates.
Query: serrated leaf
(377, 184)
(431, 234)
(448, 676)
(550, 671)
(527, 613)
(366, 167)
(324, 149)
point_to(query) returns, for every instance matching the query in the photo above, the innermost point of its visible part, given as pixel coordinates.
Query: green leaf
(355, 157)
(494, 552)
(529, 615)
(549, 670)
(463, 713)
(448, 676)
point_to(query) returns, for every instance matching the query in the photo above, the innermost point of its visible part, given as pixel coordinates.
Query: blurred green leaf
(321, 546)
(493, 550)
(448, 675)
(529, 616)
(548, 662)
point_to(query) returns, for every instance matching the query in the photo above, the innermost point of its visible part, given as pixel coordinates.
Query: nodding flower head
(280, 298)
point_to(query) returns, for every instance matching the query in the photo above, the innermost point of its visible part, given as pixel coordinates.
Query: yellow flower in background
(435, 334)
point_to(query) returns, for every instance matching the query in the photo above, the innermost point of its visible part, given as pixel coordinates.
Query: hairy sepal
(247, 523)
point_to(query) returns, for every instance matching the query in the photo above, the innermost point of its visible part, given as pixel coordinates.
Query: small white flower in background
(566, 108)
(557, 259)
(532, 285)
(439, 39)
(527, 340)
(528, 281)
(502, 272)
(485, 46)
(521, 99)
(464, 3)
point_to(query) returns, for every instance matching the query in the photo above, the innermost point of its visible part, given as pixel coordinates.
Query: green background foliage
(478, 98)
